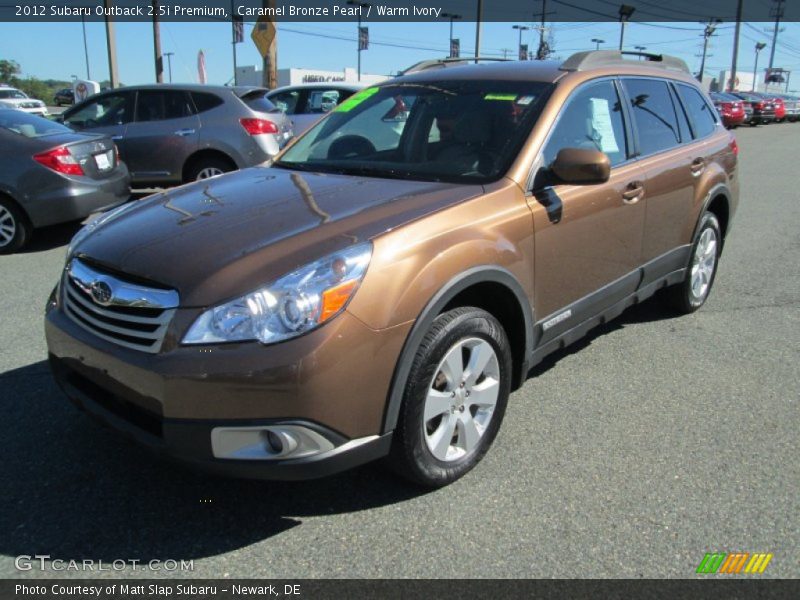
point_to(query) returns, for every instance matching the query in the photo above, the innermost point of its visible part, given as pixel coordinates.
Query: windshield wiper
(295, 166)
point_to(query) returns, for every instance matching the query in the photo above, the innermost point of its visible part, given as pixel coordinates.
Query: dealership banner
(337, 589)
(382, 10)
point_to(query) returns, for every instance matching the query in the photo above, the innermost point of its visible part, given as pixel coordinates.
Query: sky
(55, 50)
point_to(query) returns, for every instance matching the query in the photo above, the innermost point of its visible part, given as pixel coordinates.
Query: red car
(780, 109)
(730, 108)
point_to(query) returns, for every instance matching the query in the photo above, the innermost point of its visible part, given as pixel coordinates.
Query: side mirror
(581, 167)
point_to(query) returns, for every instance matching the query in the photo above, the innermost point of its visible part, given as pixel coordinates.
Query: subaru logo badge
(101, 293)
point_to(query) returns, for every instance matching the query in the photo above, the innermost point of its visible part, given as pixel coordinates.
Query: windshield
(458, 131)
(11, 94)
(29, 125)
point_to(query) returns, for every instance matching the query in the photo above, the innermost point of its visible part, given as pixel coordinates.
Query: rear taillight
(61, 160)
(258, 126)
(734, 146)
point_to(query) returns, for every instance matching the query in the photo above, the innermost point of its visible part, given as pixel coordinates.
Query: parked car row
(755, 108)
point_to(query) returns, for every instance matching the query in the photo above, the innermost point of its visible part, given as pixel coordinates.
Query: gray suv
(169, 134)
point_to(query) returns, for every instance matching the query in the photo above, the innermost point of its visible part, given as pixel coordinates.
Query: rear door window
(702, 116)
(654, 115)
(162, 105)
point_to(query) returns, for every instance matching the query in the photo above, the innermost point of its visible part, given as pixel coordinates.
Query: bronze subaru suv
(382, 287)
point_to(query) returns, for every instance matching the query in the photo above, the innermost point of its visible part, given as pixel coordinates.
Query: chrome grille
(118, 311)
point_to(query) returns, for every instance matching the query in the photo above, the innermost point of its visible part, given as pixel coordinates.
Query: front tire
(455, 398)
(693, 291)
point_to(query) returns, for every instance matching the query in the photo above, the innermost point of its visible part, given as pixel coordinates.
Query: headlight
(292, 305)
(100, 219)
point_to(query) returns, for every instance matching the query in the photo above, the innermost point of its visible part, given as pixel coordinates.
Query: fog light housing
(267, 442)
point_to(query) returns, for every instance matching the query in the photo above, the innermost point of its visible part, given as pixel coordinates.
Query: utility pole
(359, 4)
(159, 60)
(625, 13)
(111, 45)
(707, 33)
(735, 57)
(233, 40)
(85, 47)
(169, 56)
(778, 14)
(478, 31)
(541, 54)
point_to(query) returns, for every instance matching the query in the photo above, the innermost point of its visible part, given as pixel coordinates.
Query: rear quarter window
(701, 114)
(258, 101)
(204, 101)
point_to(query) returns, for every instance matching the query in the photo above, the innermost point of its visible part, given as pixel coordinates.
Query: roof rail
(593, 59)
(439, 63)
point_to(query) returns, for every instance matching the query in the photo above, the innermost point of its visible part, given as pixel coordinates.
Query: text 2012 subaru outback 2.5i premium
(393, 276)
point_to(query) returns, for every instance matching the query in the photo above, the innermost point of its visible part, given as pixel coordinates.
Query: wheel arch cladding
(720, 207)
(492, 288)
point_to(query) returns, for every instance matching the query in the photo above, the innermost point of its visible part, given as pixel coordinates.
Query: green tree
(9, 69)
(35, 88)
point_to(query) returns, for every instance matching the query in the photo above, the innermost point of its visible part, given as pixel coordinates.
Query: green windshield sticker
(506, 97)
(356, 99)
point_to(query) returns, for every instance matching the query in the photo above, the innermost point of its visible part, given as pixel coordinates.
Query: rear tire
(206, 168)
(455, 398)
(15, 229)
(690, 294)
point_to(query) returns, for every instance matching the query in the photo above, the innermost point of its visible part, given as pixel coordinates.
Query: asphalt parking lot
(657, 439)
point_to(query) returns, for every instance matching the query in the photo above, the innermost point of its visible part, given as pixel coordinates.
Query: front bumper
(334, 380)
(72, 198)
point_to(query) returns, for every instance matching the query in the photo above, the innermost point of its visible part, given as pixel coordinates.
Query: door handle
(698, 166)
(184, 132)
(116, 138)
(634, 192)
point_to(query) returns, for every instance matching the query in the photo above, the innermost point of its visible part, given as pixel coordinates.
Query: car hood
(220, 238)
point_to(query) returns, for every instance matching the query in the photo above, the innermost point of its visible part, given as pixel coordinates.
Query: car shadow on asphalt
(75, 490)
(54, 236)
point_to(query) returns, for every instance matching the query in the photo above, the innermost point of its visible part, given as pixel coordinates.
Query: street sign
(263, 34)
(455, 48)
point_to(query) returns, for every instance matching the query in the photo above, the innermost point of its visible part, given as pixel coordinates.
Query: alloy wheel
(8, 226)
(461, 399)
(703, 264)
(209, 172)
